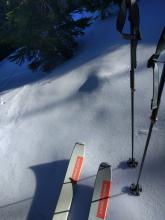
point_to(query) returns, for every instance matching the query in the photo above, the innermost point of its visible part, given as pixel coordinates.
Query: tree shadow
(91, 84)
(17, 77)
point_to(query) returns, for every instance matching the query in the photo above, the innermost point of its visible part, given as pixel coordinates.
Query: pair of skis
(101, 194)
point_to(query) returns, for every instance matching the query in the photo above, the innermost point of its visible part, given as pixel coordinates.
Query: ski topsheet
(71, 177)
(101, 193)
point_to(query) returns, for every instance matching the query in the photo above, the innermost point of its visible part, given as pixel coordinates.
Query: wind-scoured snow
(86, 99)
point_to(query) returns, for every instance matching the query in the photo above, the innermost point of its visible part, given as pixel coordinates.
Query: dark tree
(43, 30)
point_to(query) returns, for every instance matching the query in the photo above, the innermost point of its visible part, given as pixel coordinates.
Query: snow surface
(87, 100)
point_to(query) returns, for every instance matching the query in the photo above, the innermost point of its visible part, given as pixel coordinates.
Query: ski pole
(155, 104)
(134, 37)
(136, 188)
(132, 162)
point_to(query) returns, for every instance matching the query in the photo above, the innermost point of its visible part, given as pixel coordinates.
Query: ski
(101, 194)
(71, 177)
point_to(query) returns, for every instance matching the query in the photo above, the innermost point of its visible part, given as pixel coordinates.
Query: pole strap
(152, 63)
(132, 7)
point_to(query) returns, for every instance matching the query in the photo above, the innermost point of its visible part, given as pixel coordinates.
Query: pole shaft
(132, 85)
(132, 119)
(145, 152)
(153, 120)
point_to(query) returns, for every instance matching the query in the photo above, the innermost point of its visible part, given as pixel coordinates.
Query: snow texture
(87, 99)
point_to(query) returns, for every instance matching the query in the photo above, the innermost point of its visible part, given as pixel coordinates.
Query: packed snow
(86, 99)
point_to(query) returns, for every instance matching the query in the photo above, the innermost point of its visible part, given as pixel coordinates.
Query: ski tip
(104, 165)
(79, 143)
